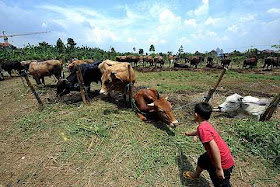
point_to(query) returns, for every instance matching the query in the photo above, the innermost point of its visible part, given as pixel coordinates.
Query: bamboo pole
(41, 105)
(212, 90)
(82, 86)
(271, 108)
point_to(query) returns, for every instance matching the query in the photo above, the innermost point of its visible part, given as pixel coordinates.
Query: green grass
(252, 77)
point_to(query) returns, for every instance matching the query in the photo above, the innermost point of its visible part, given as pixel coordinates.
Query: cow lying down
(239, 106)
(149, 103)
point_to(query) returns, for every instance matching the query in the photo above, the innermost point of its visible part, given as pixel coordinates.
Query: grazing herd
(40, 69)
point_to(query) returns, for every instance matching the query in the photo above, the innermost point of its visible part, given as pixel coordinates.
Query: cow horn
(216, 109)
(151, 104)
(166, 98)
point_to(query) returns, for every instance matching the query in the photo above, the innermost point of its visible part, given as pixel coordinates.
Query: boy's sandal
(187, 175)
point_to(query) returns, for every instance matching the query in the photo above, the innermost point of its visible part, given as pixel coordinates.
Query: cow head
(109, 79)
(63, 87)
(164, 111)
(232, 103)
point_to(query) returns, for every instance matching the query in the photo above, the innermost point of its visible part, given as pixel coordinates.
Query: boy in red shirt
(217, 160)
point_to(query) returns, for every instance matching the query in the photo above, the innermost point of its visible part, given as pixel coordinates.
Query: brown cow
(150, 103)
(115, 77)
(196, 60)
(250, 62)
(130, 58)
(46, 68)
(133, 59)
(121, 59)
(78, 62)
(149, 59)
(105, 64)
(159, 60)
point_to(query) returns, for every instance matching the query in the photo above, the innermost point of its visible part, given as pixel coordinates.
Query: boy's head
(202, 111)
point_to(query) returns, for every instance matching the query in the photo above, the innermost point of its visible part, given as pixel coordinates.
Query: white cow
(238, 106)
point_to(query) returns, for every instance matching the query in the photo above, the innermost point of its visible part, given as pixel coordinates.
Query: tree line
(70, 50)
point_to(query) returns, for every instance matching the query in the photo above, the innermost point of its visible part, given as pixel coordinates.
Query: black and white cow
(90, 73)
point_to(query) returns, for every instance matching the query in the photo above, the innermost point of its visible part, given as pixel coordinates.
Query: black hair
(204, 110)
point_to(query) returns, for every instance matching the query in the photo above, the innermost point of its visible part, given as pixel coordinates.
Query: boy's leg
(202, 164)
(220, 182)
(197, 172)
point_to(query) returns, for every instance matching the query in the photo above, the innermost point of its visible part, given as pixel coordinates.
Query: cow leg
(43, 81)
(124, 101)
(141, 116)
(10, 72)
(37, 80)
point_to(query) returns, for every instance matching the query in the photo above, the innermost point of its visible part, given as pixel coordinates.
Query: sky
(197, 25)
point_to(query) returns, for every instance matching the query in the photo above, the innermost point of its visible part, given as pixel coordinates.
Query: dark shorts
(205, 163)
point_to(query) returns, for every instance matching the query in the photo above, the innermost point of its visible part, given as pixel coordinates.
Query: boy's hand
(187, 133)
(220, 173)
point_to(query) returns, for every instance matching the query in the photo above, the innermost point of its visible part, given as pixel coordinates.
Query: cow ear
(151, 104)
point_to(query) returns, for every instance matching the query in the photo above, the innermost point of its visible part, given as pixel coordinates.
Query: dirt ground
(18, 156)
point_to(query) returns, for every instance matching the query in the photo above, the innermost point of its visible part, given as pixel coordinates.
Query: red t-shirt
(206, 133)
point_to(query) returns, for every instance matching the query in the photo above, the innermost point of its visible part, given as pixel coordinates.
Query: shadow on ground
(185, 165)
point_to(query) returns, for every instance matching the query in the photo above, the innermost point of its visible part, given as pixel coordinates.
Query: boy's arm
(194, 133)
(216, 159)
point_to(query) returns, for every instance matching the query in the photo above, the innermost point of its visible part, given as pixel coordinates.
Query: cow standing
(90, 73)
(250, 62)
(130, 58)
(39, 70)
(149, 103)
(148, 59)
(9, 66)
(115, 77)
(78, 62)
(170, 59)
(195, 61)
(225, 62)
(159, 60)
(271, 61)
(209, 61)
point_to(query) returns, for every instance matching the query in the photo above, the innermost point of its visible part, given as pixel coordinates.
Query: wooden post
(271, 108)
(130, 85)
(82, 86)
(41, 105)
(212, 90)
